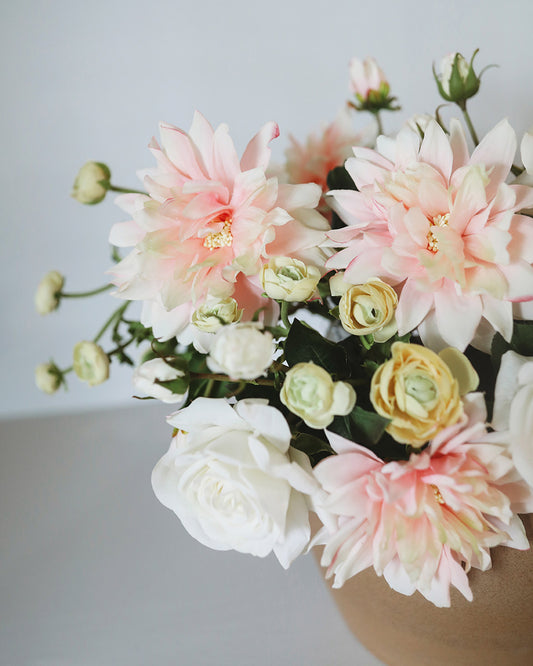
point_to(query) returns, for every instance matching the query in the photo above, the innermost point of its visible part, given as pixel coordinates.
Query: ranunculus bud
(456, 79)
(369, 85)
(216, 313)
(366, 309)
(92, 183)
(90, 363)
(309, 392)
(417, 391)
(287, 279)
(48, 292)
(160, 380)
(241, 351)
(48, 377)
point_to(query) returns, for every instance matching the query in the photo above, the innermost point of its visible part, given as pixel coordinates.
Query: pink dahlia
(424, 522)
(310, 162)
(442, 227)
(208, 223)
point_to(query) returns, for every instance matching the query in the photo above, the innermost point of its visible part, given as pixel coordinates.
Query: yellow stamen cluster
(438, 496)
(221, 238)
(438, 221)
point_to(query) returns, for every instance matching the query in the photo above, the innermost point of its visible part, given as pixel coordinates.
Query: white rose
(47, 377)
(48, 292)
(90, 363)
(242, 351)
(233, 481)
(513, 410)
(309, 392)
(91, 183)
(216, 313)
(147, 376)
(286, 279)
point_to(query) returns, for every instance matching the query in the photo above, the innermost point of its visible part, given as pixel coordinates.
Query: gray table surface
(95, 572)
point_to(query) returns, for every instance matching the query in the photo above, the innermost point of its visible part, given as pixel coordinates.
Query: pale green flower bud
(287, 279)
(309, 392)
(90, 363)
(457, 80)
(47, 377)
(92, 183)
(213, 314)
(48, 292)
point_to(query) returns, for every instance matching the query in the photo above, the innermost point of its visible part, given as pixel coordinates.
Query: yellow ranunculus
(417, 391)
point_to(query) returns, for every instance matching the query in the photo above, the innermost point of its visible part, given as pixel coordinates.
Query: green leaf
(305, 345)
(521, 342)
(339, 179)
(367, 427)
(314, 447)
(178, 386)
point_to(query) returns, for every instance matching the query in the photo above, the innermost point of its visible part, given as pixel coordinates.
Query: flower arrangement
(349, 334)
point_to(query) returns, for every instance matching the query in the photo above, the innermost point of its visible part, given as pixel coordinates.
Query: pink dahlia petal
(257, 152)
(436, 150)
(412, 307)
(496, 153)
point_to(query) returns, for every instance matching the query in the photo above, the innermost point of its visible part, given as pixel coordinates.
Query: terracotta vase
(495, 629)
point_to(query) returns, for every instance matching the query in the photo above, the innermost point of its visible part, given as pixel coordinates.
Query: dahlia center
(437, 222)
(221, 238)
(438, 497)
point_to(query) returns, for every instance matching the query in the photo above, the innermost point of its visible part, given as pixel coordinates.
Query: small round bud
(309, 392)
(48, 377)
(48, 292)
(286, 279)
(369, 85)
(457, 80)
(92, 183)
(90, 363)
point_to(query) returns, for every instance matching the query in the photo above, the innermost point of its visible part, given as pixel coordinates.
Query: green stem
(121, 347)
(225, 378)
(284, 314)
(85, 294)
(378, 121)
(469, 124)
(116, 314)
(208, 388)
(125, 190)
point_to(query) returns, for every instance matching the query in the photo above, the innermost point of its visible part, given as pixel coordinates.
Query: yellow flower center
(222, 238)
(439, 498)
(438, 221)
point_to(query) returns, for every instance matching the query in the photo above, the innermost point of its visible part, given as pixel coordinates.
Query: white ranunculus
(91, 183)
(47, 378)
(47, 295)
(309, 392)
(147, 376)
(215, 313)
(241, 351)
(513, 410)
(90, 362)
(234, 482)
(287, 279)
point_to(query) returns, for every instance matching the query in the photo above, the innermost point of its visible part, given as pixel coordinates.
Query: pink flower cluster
(424, 522)
(443, 228)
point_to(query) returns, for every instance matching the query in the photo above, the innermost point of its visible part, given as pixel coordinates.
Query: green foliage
(304, 345)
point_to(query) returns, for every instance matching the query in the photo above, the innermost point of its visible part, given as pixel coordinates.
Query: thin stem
(121, 347)
(225, 378)
(116, 314)
(125, 190)
(85, 294)
(284, 314)
(469, 124)
(378, 121)
(208, 388)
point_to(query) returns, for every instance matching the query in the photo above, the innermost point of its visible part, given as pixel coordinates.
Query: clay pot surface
(495, 629)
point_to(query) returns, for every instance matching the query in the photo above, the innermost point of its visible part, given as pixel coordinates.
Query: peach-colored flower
(310, 162)
(442, 227)
(208, 223)
(417, 522)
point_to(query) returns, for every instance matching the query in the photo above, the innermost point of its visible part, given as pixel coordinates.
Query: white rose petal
(241, 351)
(146, 376)
(232, 481)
